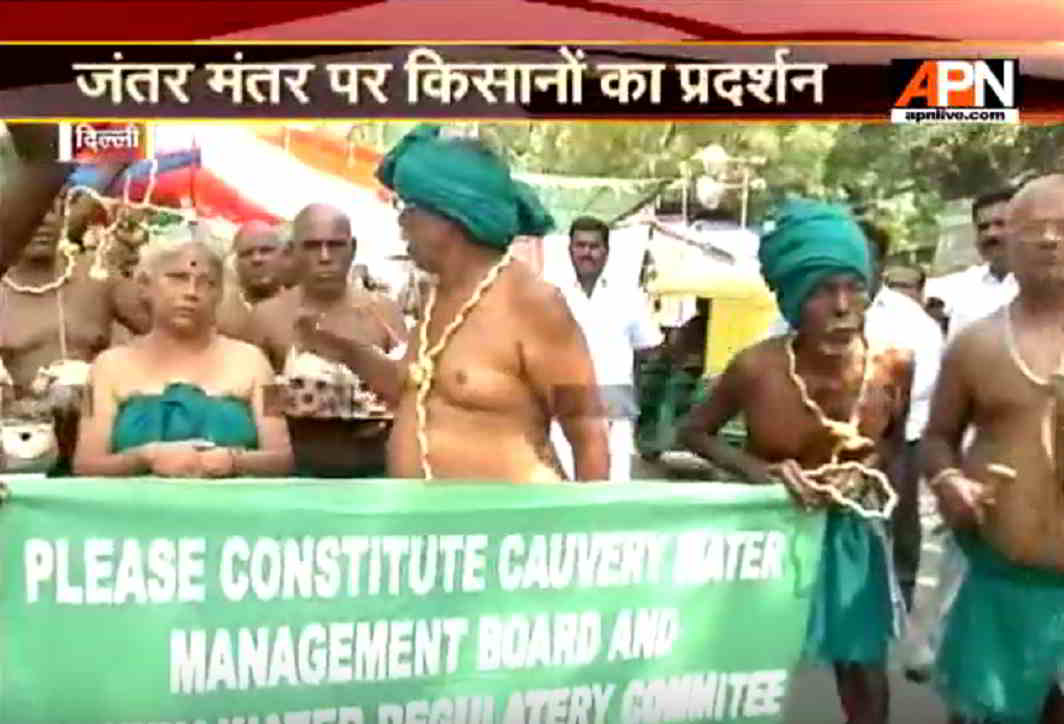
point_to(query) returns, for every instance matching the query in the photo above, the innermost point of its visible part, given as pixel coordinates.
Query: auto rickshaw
(735, 310)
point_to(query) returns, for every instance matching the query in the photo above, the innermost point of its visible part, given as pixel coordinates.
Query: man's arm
(93, 454)
(383, 375)
(558, 364)
(962, 500)
(391, 316)
(699, 431)
(893, 446)
(256, 332)
(951, 412)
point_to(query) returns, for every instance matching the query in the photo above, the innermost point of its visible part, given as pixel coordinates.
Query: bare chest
(781, 425)
(76, 316)
(479, 367)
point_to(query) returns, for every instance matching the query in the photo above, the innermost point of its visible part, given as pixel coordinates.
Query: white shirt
(895, 320)
(616, 321)
(975, 294)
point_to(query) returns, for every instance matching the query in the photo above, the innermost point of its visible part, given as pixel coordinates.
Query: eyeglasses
(400, 205)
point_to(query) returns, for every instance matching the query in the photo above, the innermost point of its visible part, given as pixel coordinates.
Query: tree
(900, 176)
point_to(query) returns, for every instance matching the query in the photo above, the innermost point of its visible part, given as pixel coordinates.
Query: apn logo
(955, 91)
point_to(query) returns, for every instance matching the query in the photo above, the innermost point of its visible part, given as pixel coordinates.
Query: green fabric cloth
(1003, 643)
(469, 185)
(810, 242)
(852, 616)
(184, 412)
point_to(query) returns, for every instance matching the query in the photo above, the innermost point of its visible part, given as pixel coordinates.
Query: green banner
(398, 602)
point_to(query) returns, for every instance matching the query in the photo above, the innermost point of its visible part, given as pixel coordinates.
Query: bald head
(258, 249)
(324, 249)
(320, 221)
(1042, 191)
(254, 230)
(1035, 228)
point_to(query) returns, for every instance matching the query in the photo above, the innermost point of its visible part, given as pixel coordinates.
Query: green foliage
(900, 176)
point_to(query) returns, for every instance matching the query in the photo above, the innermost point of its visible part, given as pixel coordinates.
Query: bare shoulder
(114, 359)
(766, 356)
(541, 304)
(274, 313)
(278, 303)
(980, 341)
(242, 354)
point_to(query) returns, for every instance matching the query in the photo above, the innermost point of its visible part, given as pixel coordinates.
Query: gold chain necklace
(848, 437)
(422, 371)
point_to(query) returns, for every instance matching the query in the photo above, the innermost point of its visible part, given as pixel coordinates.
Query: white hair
(169, 242)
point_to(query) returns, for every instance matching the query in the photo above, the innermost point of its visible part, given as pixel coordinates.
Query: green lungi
(853, 614)
(1003, 643)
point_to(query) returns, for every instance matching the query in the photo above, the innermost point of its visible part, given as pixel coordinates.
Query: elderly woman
(182, 400)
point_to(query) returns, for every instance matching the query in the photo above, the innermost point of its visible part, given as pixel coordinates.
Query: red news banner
(797, 80)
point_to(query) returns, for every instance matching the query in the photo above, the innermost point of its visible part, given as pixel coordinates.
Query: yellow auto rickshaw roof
(719, 283)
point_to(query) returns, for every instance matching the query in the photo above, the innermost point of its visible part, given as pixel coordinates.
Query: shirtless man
(503, 354)
(1003, 643)
(53, 309)
(817, 262)
(324, 247)
(259, 253)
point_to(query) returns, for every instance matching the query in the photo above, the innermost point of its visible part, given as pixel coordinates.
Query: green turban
(465, 184)
(810, 242)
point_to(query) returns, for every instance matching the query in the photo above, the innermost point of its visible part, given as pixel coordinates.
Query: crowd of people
(284, 363)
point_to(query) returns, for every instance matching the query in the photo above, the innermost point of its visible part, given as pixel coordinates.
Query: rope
(1052, 413)
(61, 313)
(99, 263)
(422, 372)
(68, 271)
(848, 438)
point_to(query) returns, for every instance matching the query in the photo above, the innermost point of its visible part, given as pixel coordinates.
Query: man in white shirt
(981, 290)
(894, 319)
(618, 325)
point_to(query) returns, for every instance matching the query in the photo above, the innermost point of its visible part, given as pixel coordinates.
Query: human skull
(27, 438)
(322, 389)
(61, 385)
(315, 387)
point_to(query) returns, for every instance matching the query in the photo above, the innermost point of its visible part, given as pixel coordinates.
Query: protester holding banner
(1003, 644)
(820, 404)
(497, 353)
(183, 400)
